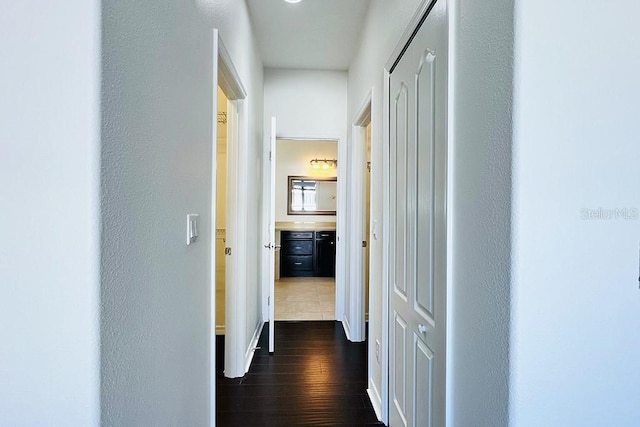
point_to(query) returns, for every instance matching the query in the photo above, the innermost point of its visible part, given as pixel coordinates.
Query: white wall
(156, 166)
(481, 38)
(576, 303)
(307, 104)
(49, 210)
(292, 159)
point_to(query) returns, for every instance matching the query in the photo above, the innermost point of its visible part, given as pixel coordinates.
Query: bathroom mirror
(308, 195)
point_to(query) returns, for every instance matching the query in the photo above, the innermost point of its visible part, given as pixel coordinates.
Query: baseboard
(220, 329)
(252, 346)
(347, 328)
(376, 400)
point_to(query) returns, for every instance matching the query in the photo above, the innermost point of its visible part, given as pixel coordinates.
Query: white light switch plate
(192, 228)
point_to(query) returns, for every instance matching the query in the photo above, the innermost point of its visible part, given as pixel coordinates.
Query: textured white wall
(307, 104)
(576, 303)
(292, 159)
(481, 39)
(156, 166)
(49, 210)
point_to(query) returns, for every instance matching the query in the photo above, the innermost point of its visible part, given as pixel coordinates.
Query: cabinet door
(325, 256)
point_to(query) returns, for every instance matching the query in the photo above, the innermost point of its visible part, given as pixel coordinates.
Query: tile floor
(305, 298)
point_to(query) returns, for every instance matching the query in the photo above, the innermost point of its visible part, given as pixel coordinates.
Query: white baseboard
(376, 400)
(252, 346)
(347, 328)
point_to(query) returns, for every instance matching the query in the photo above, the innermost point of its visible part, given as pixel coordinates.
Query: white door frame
(226, 77)
(341, 220)
(397, 52)
(356, 310)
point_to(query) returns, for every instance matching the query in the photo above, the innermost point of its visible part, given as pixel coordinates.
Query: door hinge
(269, 300)
(269, 155)
(227, 251)
(364, 243)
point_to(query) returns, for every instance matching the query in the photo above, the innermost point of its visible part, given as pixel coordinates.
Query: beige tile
(304, 307)
(328, 305)
(300, 316)
(305, 298)
(299, 297)
(326, 290)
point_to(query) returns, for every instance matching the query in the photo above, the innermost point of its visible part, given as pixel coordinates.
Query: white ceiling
(312, 34)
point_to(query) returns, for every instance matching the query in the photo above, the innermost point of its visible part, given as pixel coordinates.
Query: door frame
(341, 218)
(404, 41)
(225, 76)
(356, 310)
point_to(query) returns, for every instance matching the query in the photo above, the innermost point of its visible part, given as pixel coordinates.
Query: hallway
(315, 377)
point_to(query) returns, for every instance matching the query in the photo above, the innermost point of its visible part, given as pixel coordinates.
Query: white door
(417, 312)
(271, 245)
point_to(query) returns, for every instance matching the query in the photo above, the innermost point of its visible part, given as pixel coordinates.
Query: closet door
(417, 315)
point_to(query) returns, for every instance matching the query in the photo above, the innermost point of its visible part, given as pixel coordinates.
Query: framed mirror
(308, 195)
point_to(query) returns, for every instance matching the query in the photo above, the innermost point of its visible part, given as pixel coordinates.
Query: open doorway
(367, 220)
(305, 224)
(221, 211)
(228, 290)
(360, 230)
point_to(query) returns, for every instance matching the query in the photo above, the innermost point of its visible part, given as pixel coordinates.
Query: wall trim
(409, 33)
(226, 77)
(357, 219)
(341, 220)
(375, 399)
(253, 345)
(346, 327)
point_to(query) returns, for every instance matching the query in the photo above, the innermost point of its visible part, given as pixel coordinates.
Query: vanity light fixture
(323, 163)
(293, 1)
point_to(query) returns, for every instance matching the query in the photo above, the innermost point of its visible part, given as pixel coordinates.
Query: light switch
(192, 228)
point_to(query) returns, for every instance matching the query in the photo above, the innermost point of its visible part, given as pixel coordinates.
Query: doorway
(367, 220)
(226, 235)
(305, 220)
(360, 221)
(221, 211)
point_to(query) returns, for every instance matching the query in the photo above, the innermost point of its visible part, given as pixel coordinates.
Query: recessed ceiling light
(293, 1)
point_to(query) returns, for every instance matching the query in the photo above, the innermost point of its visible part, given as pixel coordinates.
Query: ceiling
(312, 34)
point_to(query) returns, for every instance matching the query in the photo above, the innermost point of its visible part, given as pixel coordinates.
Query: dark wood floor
(316, 377)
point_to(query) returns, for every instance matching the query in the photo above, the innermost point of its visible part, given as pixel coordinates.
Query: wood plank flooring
(315, 378)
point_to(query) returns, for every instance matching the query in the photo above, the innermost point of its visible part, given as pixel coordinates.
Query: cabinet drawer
(298, 262)
(297, 247)
(325, 235)
(296, 235)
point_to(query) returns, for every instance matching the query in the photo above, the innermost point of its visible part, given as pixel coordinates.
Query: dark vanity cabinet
(325, 253)
(307, 253)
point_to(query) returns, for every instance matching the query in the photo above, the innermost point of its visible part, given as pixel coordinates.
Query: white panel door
(418, 138)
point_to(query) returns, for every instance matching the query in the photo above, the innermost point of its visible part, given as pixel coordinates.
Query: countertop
(302, 225)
